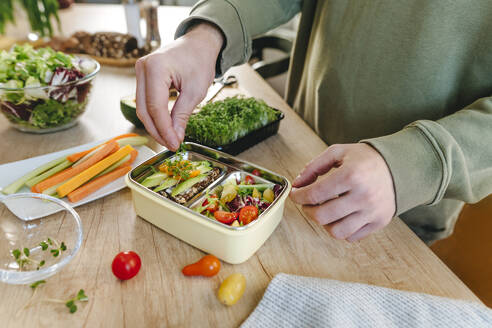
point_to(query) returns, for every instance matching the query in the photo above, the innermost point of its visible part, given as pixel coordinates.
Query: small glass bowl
(48, 109)
(26, 221)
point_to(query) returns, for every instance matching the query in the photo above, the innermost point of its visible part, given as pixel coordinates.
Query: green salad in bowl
(43, 90)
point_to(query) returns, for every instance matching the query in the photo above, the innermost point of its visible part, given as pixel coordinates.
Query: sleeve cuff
(223, 14)
(415, 165)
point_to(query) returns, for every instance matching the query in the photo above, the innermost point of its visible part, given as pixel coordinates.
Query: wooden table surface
(160, 295)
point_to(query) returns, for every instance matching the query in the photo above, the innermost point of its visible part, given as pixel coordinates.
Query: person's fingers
(332, 210)
(141, 111)
(318, 166)
(346, 227)
(331, 185)
(182, 109)
(156, 99)
(364, 231)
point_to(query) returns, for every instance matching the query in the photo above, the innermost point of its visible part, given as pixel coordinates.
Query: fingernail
(180, 132)
(296, 180)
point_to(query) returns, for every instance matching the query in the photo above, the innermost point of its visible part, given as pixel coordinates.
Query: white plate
(12, 171)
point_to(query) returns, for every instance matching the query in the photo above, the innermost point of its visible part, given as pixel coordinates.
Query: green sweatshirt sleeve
(449, 158)
(240, 21)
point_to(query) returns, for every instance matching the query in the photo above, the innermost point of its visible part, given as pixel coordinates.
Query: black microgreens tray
(249, 140)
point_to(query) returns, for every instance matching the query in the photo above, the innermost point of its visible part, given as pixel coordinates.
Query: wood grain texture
(160, 295)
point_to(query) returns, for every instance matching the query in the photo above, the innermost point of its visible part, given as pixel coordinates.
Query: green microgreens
(81, 297)
(37, 283)
(70, 304)
(56, 251)
(178, 167)
(23, 258)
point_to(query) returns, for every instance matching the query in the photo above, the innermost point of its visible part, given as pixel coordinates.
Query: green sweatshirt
(409, 77)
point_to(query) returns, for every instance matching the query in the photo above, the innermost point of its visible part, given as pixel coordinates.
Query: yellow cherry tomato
(268, 195)
(231, 289)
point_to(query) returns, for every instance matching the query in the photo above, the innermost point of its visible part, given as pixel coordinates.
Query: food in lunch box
(207, 266)
(180, 179)
(43, 89)
(238, 203)
(79, 175)
(126, 265)
(232, 289)
(223, 122)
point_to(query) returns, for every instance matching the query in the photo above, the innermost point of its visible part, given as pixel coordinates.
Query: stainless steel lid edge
(216, 157)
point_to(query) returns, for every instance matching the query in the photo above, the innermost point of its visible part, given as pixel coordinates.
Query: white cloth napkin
(295, 301)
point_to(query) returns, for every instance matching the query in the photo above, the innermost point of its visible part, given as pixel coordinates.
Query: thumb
(182, 109)
(331, 157)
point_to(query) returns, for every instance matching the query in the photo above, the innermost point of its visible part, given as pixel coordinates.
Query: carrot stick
(127, 160)
(73, 171)
(133, 156)
(75, 157)
(92, 171)
(97, 184)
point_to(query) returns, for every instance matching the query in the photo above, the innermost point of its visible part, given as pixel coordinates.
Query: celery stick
(132, 141)
(52, 190)
(259, 187)
(34, 181)
(114, 166)
(16, 185)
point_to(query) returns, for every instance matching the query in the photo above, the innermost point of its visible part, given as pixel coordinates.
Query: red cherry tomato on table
(248, 214)
(208, 266)
(249, 180)
(126, 265)
(225, 217)
(256, 172)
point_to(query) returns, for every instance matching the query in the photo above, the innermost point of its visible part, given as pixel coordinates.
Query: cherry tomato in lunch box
(225, 217)
(249, 180)
(248, 214)
(212, 208)
(207, 266)
(256, 172)
(126, 265)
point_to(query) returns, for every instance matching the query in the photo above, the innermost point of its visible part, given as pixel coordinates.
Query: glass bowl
(51, 108)
(43, 227)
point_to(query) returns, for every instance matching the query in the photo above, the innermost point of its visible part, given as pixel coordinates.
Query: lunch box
(230, 244)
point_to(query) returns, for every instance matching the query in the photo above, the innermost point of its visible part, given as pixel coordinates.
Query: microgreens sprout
(37, 283)
(56, 248)
(81, 297)
(23, 258)
(70, 304)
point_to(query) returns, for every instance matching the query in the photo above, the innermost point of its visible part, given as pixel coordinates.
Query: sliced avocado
(204, 169)
(168, 183)
(185, 185)
(154, 180)
(128, 107)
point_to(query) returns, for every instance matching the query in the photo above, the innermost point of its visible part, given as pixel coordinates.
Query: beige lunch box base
(232, 246)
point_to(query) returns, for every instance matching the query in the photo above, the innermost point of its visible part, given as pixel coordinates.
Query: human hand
(349, 188)
(188, 64)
